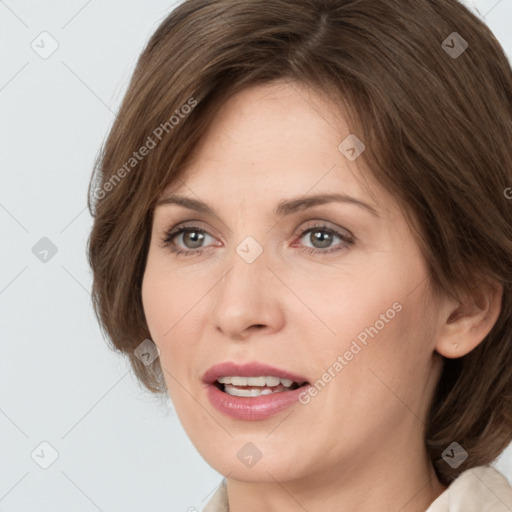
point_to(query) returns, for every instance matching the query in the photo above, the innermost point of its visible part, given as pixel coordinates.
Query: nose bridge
(246, 274)
(245, 296)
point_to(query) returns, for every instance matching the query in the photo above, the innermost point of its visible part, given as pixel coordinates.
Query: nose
(248, 299)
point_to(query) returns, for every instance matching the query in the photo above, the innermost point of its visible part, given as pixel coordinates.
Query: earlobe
(469, 322)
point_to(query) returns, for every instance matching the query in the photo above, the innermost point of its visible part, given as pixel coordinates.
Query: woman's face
(335, 293)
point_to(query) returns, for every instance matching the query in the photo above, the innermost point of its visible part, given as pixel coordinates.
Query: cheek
(172, 310)
(160, 306)
(375, 366)
(377, 322)
(388, 358)
(154, 301)
(163, 311)
(164, 297)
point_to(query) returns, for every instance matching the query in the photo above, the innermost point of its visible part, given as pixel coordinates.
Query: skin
(358, 444)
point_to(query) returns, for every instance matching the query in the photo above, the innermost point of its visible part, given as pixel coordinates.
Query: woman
(302, 235)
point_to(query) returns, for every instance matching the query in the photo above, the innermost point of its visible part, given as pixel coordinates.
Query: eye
(192, 237)
(322, 237)
(188, 240)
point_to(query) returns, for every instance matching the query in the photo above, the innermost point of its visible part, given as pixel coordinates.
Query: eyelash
(167, 241)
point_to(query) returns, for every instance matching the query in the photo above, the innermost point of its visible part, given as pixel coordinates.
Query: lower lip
(252, 408)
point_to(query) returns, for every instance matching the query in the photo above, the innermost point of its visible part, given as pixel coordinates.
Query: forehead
(278, 137)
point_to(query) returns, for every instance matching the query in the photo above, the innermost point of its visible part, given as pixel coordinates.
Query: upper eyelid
(304, 224)
(180, 226)
(327, 225)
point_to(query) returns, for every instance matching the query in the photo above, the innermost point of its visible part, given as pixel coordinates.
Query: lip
(250, 408)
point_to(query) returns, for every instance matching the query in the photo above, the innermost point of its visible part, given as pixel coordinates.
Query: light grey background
(118, 448)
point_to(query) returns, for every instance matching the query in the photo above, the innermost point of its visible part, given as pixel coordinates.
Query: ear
(467, 324)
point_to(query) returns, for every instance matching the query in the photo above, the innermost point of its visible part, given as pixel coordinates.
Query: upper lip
(251, 369)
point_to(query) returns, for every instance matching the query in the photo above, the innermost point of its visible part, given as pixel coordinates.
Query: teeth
(255, 381)
(232, 390)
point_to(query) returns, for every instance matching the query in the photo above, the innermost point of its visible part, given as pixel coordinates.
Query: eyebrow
(284, 207)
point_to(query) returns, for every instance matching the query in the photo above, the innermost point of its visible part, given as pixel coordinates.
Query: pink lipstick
(252, 391)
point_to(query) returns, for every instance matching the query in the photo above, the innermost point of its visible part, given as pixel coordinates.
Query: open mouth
(255, 386)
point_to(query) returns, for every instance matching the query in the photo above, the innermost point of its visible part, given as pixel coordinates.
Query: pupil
(198, 238)
(321, 236)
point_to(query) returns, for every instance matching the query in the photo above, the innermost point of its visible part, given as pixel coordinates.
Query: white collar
(480, 489)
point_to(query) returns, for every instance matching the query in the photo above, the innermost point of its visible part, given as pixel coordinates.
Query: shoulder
(480, 489)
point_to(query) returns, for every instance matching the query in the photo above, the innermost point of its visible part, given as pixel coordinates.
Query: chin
(244, 462)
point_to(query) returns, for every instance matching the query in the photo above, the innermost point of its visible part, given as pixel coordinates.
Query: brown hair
(438, 129)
